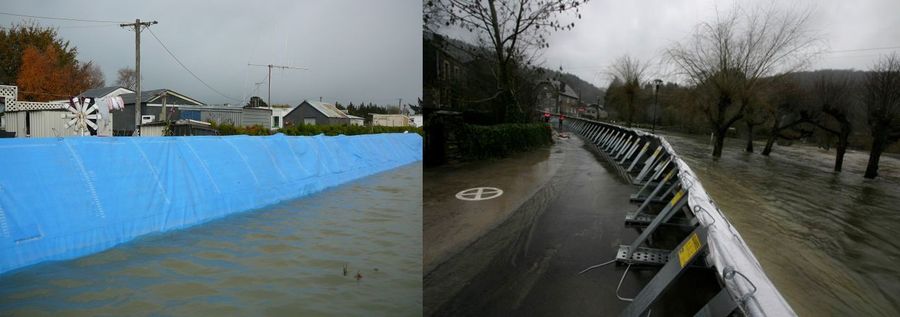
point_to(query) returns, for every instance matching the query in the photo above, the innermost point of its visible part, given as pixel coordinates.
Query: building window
(275, 122)
(309, 121)
(446, 69)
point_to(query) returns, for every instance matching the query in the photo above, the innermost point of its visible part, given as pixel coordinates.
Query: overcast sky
(356, 50)
(643, 29)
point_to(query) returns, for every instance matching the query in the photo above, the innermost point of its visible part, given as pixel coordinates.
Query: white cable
(620, 285)
(596, 266)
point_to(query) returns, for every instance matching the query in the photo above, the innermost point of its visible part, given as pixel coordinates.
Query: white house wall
(15, 122)
(48, 124)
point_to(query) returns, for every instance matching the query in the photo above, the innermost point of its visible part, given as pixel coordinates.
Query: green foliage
(15, 39)
(331, 130)
(256, 101)
(231, 129)
(481, 142)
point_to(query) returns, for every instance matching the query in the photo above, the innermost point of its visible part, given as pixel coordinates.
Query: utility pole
(137, 69)
(656, 84)
(270, 66)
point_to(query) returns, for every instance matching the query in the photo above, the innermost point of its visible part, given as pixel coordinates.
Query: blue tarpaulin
(61, 198)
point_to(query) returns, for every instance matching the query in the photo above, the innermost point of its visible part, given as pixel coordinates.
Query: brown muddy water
(284, 260)
(829, 241)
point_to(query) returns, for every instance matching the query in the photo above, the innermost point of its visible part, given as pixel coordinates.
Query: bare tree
(631, 72)
(91, 74)
(881, 95)
(832, 95)
(512, 29)
(755, 114)
(786, 106)
(127, 78)
(729, 57)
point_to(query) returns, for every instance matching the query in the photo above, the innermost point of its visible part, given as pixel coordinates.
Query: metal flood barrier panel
(62, 198)
(649, 162)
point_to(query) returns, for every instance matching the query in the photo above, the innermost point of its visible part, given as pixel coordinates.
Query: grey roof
(327, 109)
(149, 95)
(568, 91)
(100, 92)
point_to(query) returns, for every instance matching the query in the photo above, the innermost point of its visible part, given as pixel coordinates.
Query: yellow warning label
(687, 251)
(676, 198)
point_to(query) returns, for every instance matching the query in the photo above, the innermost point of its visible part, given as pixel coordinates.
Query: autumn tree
(127, 78)
(512, 30)
(17, 38)
(881, 96)
(45, 76)
(729, 57)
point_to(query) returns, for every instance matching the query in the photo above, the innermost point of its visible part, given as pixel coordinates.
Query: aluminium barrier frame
(713, 241)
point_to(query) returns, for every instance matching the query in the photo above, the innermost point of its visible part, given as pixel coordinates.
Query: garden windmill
(81, 112)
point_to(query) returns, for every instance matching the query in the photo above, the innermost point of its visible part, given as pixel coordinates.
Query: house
(102, 96)
(278, 113)
(443, 76)
(556, 96)
(354, 120)
(390, 120)
(151, 107)
(416, 120)
(316, 113)
(182, 127)
(180, 106)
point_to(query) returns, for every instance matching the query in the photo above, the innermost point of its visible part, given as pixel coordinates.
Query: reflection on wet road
(284, 260)
(827, 240)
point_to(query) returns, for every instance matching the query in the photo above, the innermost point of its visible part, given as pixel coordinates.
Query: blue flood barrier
(62, 198)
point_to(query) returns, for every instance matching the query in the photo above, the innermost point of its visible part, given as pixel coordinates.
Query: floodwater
(829, 241)
(284, 260)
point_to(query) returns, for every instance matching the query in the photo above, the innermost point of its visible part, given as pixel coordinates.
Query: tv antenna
(270, 66)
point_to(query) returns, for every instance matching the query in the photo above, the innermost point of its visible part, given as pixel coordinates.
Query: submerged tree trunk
(879, 140)
(769, 144)
(718, 142)
(843, 142)
(749, 148)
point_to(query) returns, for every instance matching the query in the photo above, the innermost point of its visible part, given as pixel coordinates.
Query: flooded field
(284, 260)
(827, 240)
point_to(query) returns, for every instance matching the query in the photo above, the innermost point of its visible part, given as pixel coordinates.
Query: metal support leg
(678, 202)
(649, 166)
(630, 152)
(618, 148)
(638, 157)
(679, 259)
(719, 306)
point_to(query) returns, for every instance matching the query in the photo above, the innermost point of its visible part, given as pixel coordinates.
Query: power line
(865, 49)
(186, 68)
(58, 18)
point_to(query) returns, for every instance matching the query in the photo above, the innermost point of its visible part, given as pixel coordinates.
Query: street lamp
(656, 84)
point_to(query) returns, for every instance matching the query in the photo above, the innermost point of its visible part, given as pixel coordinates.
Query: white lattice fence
(9, 92)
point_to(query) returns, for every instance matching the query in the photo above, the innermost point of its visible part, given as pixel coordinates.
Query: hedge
(330, 130)
(495, 141)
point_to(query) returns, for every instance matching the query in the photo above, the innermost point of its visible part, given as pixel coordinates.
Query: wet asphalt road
(582, 225)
